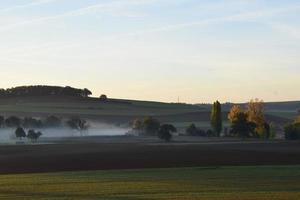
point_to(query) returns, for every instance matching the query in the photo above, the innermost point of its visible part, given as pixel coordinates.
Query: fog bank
(7, 135)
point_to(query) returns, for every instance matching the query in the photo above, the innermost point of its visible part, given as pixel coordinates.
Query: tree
(240, 126)
(33, 135)
(151, 126)
(78, 124)
(13, 121)
(297, 120)
(292, 130)
(233, 113)
(192, 130)
(216, 118)
(165, 132)
(137, 125)
(86, 92)
(2, 121)
(103, 97)
(30, 122)
(255, 112)
(20, 133)
(52, 121)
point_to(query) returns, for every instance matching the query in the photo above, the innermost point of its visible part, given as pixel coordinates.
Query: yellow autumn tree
(297, 120)
(234, 111)
(255, 111)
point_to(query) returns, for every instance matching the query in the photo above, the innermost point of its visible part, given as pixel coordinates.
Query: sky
(196, 50)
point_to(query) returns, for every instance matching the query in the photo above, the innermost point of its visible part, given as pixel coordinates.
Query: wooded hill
(42, 90)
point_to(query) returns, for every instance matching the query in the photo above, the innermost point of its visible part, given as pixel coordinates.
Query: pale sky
(198, 50)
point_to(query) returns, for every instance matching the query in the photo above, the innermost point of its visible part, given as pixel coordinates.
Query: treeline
(150, 126)
(41, 90)
(248, 121)
(48, 122)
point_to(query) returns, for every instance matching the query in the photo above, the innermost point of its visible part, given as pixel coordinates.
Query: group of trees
(41, 90)
(192, 130)
(152, 127)
(292, 130)
(249, 122)
(48, 122)
(31, 134)
(30, 122)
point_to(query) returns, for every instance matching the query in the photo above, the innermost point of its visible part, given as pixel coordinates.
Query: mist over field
(7, 135)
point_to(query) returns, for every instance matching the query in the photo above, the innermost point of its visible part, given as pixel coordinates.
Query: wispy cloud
(292, 31)
(29, 5)
(110, 7)
(248, 16)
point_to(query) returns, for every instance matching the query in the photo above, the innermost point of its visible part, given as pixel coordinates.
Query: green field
(90, 106)
(230, 183)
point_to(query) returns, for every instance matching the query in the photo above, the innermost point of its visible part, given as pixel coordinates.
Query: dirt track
(94, 156)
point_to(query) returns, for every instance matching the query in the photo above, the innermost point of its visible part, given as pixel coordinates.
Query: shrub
(192, 130)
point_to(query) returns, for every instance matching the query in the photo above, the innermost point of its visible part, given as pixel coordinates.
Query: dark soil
(98, 156)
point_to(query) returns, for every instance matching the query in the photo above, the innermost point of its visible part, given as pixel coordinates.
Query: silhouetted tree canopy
(13, 121)
(20, 133)
(33, 135)
(192, 130)
(103, 97)
(151, 126)
(2, 121)
(292, 130)
(165, 132)
(78, 124)
(41, 90)
(30, 122)
(241, 126)
(52, 121)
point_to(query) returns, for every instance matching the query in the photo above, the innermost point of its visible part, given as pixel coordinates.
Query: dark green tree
(292, 130)
(33, 135)
(52, 121)
(20, 133)
(241, 127)
(165, 132)
(191, 130)
(2, 121)
(13, 121)
(151, 126)
(216, 118)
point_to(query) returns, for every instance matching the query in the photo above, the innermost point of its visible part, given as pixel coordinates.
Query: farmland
(119, 111)
(203, 183)
(107, 153)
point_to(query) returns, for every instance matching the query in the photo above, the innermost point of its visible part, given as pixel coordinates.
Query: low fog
(7, 135)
